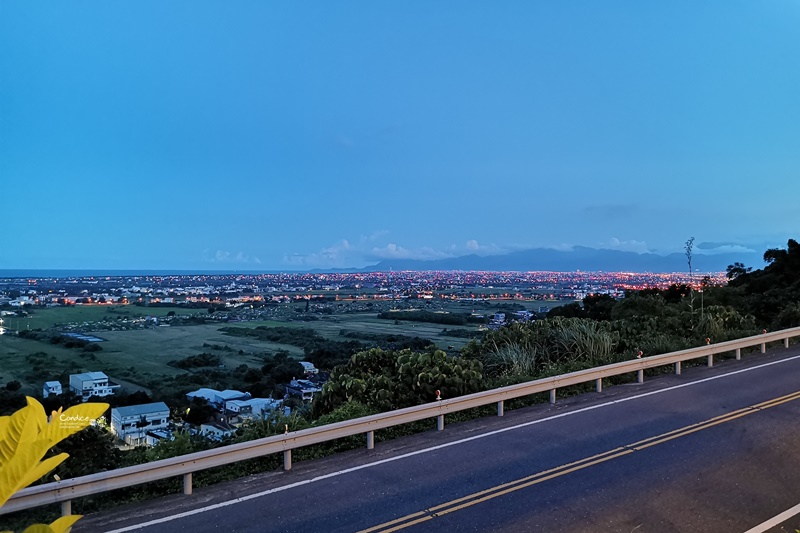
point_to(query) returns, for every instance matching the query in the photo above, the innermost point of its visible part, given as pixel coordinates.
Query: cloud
(374, 236)
(393, 251)
(472, 246)
(708, 248)
(639, 247)
(224, 256)
(368, 249)
(339, 255)
(371, 248)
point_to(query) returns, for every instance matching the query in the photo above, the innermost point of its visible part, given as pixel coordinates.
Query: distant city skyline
(268, 136)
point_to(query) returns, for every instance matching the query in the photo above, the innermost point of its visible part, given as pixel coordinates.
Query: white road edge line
(775, 520)
(441, 446)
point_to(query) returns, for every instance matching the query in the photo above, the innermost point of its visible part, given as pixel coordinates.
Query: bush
(197, 361)
(385, 380)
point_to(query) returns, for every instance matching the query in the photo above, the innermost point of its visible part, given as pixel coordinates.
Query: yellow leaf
(25, 437)
(74, 419)
(41, 469)
(63, 524)
(18, 469)
(38, 528)
(22, 428)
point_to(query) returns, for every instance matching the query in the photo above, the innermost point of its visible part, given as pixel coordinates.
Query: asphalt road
(712, 450)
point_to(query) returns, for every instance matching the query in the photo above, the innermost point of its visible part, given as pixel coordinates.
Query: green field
(369, 323)
(135, 357)
(54, 317)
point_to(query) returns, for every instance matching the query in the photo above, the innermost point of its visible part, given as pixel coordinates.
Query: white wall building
(217, 399)
(217, 430)
(303, 389)
(309, 368)
(137, 425)
(254, 407)
(51, 388)
(91, 384)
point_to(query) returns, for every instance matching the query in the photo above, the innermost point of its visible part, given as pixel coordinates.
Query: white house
(217, 430)
(264, 406)
(142, 424)
(309, 368)
(238, 408)
(303, 388)
(51, 388)
(254, 407)
(217, 398)
(91, 384)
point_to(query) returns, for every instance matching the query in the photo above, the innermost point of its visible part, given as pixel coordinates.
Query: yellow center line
(522, 480)
(534, 482)
(402, 519)
(546, 475)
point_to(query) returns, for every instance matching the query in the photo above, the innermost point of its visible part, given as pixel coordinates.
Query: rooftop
(87, 376)
(141, 409)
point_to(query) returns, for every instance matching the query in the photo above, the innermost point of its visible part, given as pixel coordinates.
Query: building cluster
(243, 289)
(498, 320)
(147, 424)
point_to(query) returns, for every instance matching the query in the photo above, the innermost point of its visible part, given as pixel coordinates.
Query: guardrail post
(786, 342)
(500, 408)
(287, 459)
(678, 368)
(598, 383)
(370, 440)
(640, 376)
(552, 396)
(711, 360)
(66, 508)
(187, 484)
(763, 347)
(440, 422)
(738, 353)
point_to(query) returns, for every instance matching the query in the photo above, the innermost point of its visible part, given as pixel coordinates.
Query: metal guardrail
(66, 490)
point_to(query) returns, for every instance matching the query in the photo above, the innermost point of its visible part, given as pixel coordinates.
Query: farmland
(70, 317)
(138, 342)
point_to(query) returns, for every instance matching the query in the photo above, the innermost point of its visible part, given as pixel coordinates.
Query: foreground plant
(25, 438)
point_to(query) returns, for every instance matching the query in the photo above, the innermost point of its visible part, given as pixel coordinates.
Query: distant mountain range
(579, 258)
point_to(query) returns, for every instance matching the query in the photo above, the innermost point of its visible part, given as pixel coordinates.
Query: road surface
(712, 450)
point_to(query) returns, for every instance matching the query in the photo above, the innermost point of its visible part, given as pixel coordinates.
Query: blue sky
(294, 135)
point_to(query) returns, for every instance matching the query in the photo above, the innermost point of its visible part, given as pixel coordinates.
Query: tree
(774, 255)
(284, 372)
(90, 451)
(252, 375)
(737, 269)
(599, 306)
(199, 412)
(571, 310)
(688, 248)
